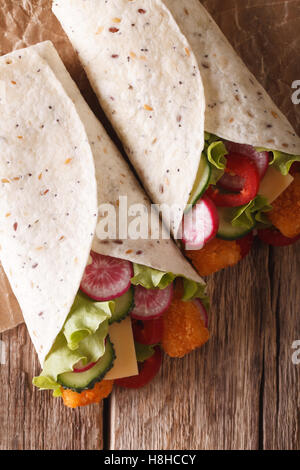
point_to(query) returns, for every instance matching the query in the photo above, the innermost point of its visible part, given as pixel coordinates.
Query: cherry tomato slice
(148, 332)
(148, 371)
(245, 168)
(245, 244)
(273, 237)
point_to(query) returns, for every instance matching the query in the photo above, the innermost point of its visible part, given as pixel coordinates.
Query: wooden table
(240, 391)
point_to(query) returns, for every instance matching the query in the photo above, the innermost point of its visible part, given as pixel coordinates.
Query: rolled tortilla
(43, 268)
(48, 194)
(115, 179)
(237, 107)
(148, 82)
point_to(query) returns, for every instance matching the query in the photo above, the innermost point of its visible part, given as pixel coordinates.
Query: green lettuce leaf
(215, 152)
(281, 161)
(151, 278)
(209, 138)
(193, 290)
(248, 215)
(81, 339)
(84, 319)
(143, 352)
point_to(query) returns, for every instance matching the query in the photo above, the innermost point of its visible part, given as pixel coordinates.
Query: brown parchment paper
(264, 33)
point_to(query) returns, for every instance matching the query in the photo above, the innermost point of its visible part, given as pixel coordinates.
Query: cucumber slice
(201, 181)
(123, 306)
(226, 230)
(79, 381)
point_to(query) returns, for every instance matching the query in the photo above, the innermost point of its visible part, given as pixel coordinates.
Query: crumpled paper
(265, 34)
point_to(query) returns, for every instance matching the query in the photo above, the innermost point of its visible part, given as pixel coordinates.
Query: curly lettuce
(151, 278)
(250, 214)
(281, 161)
(194, 290)
(84, 319)
(81, 339)
(215, 151)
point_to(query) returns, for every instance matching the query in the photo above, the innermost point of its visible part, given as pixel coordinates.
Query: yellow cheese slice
(273, 184)
(125, 363)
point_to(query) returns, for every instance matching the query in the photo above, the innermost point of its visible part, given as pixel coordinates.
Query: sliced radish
(202, 311)
(261, 160)
(106, 278)
(151, 303)
(200, 224)
(79, 367)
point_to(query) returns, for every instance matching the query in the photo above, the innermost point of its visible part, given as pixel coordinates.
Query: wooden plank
(30, 419)
(241, 390)
(260, 49)
(210, 399)
(281, 401)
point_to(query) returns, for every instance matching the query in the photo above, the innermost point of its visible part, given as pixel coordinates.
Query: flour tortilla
(114, 178)
(237, 106)
(238, 109)
(48, 196)
(148, 83)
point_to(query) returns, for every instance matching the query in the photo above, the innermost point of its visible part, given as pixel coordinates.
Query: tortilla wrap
(238, 109)
(148, 83)
(48, 194)
(113, 178)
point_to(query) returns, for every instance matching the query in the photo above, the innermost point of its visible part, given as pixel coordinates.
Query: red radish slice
(202, 311)
(200, 224)
(261, 160)
(106, 278)
(79, 367)
(151, 303)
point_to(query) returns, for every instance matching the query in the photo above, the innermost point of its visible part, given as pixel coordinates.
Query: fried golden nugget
(285, 215)
(87, 397)
(216, 255)
(184, 329)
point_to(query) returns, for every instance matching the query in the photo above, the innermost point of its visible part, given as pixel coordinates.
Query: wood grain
(29, 419)
(241, 390)
(34, 420)
(281, 400)
(210, 399)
